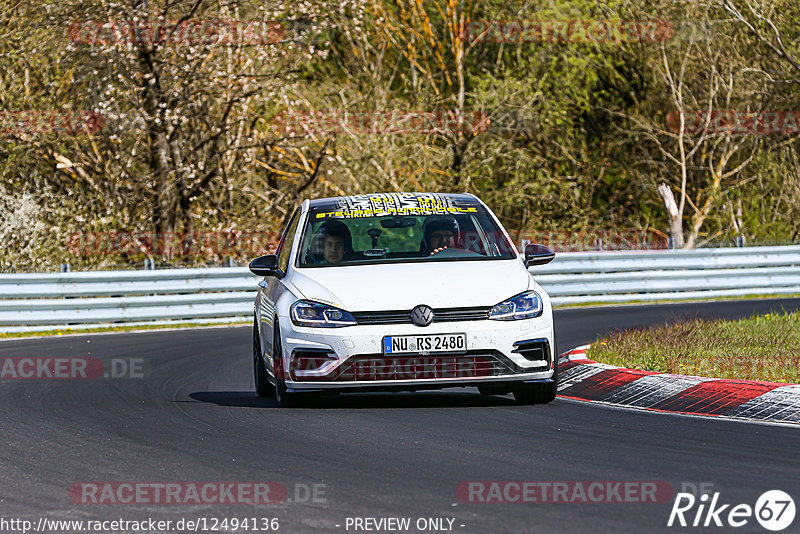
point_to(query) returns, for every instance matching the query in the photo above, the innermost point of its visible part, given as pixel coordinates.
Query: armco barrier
(80, 299)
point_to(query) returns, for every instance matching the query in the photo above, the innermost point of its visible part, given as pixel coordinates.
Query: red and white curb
(583, 379)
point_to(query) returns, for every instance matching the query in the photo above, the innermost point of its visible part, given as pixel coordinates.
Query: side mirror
(266, 266)
(538, 255)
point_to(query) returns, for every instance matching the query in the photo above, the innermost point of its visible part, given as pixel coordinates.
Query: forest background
(187, 132)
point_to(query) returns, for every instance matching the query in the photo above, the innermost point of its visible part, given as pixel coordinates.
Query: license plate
(425, 344)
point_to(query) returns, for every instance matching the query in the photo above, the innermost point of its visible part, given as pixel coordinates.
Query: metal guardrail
(45, 301)
(608, 277)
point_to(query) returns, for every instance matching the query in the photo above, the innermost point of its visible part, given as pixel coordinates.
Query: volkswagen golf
(401, 291)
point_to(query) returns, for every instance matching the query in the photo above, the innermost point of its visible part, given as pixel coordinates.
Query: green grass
(633, 301)
(120, 328)
(763, 347)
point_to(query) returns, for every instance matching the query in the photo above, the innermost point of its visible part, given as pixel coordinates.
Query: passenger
(438, 234)
(332, 243)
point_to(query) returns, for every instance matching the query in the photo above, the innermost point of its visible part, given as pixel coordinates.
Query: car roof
(398, 199)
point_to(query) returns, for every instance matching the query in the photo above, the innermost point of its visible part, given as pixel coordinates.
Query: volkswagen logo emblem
(422, 315)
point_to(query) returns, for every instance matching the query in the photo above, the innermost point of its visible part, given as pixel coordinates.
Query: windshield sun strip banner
(377, 205)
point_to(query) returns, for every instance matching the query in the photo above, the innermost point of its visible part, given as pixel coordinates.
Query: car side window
(287, 240)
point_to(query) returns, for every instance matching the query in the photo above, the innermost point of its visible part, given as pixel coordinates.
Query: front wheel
(284, 398)
(543, 393)
(263, 386)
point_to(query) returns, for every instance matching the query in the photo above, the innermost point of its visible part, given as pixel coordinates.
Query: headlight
(524, 306)
(309, 313)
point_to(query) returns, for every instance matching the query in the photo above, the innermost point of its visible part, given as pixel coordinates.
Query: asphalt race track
(194, 417)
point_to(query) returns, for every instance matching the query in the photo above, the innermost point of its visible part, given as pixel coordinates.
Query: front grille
(383, 317)
(460, 314)
(439, 316)
(374, 367)
(533, 350)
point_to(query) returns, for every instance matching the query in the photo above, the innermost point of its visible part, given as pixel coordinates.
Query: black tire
(544, 393)
(284, 398)
(263, 386)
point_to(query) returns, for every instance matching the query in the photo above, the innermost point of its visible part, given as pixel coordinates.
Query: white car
(401, 291)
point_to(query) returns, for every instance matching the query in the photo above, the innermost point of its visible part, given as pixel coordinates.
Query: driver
(332, 243)
(438, 234)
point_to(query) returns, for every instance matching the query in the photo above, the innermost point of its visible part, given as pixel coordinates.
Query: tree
(687, 141)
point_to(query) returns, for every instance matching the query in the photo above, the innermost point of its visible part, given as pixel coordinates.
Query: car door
(271, 288)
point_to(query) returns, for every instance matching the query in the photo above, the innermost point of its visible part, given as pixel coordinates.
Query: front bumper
(351, 357)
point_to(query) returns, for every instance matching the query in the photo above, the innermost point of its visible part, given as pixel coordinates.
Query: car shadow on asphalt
(248, 399)
(240, 399)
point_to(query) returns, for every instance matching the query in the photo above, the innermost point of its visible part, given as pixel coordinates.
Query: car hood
(405, 285)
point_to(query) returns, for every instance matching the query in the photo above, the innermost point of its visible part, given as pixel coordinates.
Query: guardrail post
(65, 267)
(230, 261)
(149, 264)
(670, 243)
(739, 240)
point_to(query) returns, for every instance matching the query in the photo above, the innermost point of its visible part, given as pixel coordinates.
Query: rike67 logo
(774, 510)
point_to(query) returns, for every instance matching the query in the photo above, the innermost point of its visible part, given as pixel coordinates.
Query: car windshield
(395, 228)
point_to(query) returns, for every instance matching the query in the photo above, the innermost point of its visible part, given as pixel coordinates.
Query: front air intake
(533, 350)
